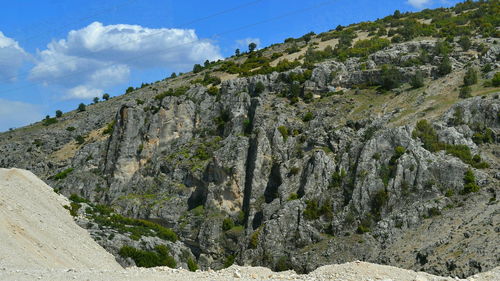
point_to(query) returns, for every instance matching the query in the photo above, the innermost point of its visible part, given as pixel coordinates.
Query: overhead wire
(281, 16)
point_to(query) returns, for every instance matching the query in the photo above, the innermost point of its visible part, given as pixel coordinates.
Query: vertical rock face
(245, 175)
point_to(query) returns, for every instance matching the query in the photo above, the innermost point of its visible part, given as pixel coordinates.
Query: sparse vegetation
(63, 174)
(159, 257)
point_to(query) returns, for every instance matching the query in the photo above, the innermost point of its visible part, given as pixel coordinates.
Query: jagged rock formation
(286, 171)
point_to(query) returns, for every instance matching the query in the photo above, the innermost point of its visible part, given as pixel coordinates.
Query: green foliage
(470, 77)
(293, 196)
(465, 92)
(95, 100)
(259, 88)
(254, 239)
(172, 93)
(70, 129)
(470, 183)
(105, 96)
(227, 224)
(426, 133)
(213, 91)
(444, 67)
(428, 136)
(495, 81)
(379, 200)
(362, 229)
(313, 211)
(284, 132)
(73, 208)
(109, 128)
(337, 179)
(129, 90)
(49, 121)
(417, 81)
(63, 174)
(484, 136)
(77, 199)
(197, 68)
(390, 77)
(136, 227)
(192, 265)
(159, 257)
(433, 212)
(80, 139)
(251, 47)
(229, 261)
(308, 117)
(283, 264)
(81, 107)
(59, 114)
(465, 43)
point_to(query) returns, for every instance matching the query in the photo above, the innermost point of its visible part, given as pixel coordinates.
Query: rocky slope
(292, 169)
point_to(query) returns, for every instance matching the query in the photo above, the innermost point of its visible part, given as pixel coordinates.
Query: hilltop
(376, 141)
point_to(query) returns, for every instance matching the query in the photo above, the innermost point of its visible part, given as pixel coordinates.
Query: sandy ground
(40, 241)
(37, 232)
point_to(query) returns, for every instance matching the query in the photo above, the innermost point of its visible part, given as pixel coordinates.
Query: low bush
(159, 257)
(63, 174)
(469, 183)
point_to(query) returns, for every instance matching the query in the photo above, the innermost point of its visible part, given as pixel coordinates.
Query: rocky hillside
(375, 142)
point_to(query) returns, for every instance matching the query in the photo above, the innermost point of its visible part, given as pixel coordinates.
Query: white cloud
(15, 114)
(100, 56)
(419, 3)
(243, 43)
(12, 57)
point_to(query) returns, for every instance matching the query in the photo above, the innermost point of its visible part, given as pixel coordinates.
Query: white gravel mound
(36, 232)
(40, 241)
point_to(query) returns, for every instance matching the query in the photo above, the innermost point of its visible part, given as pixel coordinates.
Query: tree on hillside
(59, 113)
(81, 107)
(105, 96)
(417, 81)
(470, 77)
(237, 52)
(251, 47)
(444, 67)
(197, 68)
(95, 100)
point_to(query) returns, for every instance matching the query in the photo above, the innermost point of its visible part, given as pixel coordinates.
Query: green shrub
(434, 212)
(81, 107)
(284, 132)
(308, 117)
(426, 133)
(445, 67)
(362, 229)
(229, 261)
(77, 199)
(470, 183)
(337, 179)
(417, 81)
(59, 113)
(283, 264)
(227, 224)
(160, 257)
(109, 128)
(79, 139)
(496, 80)
(470, 77)
(49, 121)
(172, 93)
(259, 88)
(63, 174)
(391, 77)
(254, 239)
(465, 43)
(70, 129)
(293, 196)
(379, 200)
(213, 91)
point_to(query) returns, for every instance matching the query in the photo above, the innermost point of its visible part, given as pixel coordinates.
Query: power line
(325, 3)
(150, 35)
(103, 11)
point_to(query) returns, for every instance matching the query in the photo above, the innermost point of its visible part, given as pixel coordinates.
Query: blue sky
(55, 54)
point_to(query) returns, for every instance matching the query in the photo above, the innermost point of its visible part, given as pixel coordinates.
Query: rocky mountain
(375, 142)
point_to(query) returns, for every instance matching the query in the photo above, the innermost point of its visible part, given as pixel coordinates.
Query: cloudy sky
(55, 54)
